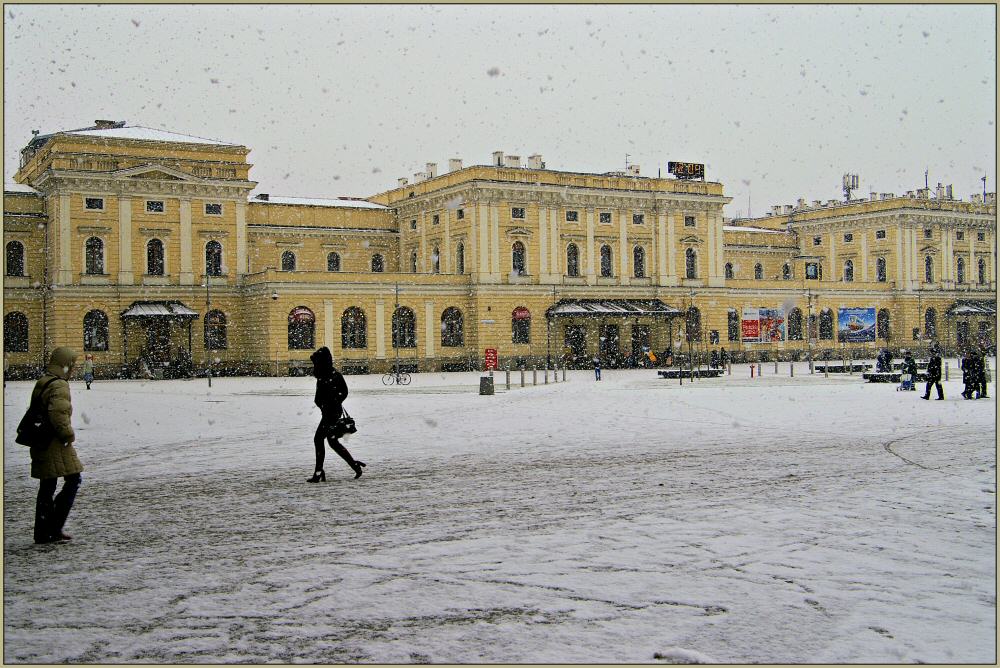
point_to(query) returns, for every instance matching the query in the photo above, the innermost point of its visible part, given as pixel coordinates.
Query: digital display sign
(686, 170)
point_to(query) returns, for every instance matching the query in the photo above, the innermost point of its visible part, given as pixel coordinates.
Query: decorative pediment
(518, 232)
(929, 250)
(157, 173)
(691, 239)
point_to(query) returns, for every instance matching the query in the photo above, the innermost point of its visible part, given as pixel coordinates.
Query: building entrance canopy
(605, 308)
(156, 320)
(971, 307)
(169, 309)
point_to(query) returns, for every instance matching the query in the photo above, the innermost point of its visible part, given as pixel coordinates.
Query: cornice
(57, 182)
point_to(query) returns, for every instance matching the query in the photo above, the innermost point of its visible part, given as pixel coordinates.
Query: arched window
(378, 263)
(733, 324)
(460, 259)
(154, 257)
(930, 323)
(404, 328)
(353, 328)
(960, 266)
(639, 262)
(786, 272)
(436, 260)
(795, 324)
(928, 269)
(517, 259)
(690, 263)
(301, 329)
(288, 261)
(758, 272)
(882, 324)
(95, 331)
(606, 269)
(213, 258)
(880, 274)
(729, 273)
(413, 262)
(94, 252)
(452, 334)
(215, 331)
(849, 271)
(982, 271)
(15, 258)
(520, 325)
(692, 324)
(572, 260)
(333, 261)
(15, 332)
(826, 324)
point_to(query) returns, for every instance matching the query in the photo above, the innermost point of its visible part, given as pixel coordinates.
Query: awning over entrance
(611, 308)
(970, 307)
(168, 309)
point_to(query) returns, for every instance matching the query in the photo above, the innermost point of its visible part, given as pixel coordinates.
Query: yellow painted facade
(485, 240)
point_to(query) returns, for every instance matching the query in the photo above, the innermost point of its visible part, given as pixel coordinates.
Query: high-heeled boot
(318, 476)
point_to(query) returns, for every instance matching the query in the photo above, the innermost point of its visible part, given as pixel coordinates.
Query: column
(448, 262)
(864, 255)
(65, 255)
(328, 323)
(472, 247)
(900, 276)
(947, 262)
(716, 276)
(125, 274)
(591, 275)
(543, 246)
(623, 249)
(913, 261)
(430, 328)
(242, 261)
(422, 264)
(557, 250)
(972, 274)
(495, 243)
(380, 329)
(482, 219)
(187, 274)
(836, 273)
(671, 250)
(661, 249)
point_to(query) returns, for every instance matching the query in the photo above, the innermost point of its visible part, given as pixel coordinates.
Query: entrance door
(575, 339)
(157, 341)
(962, 332)
(609, 346)
(640, 343)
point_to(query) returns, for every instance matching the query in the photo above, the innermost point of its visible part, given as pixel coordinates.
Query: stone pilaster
(672, 278)
(126, 276)
(242, 261)
(328, 323)
(589, 257)
(430, 328)
(380, 329)
(186, 274)
(623, 222)
(65, 271)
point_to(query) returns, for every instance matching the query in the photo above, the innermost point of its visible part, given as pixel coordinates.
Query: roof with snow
(610, 307)
(348, 202)
(18, 188)
(120, 130)
(741, 228)
(168, 309)
(967, 307)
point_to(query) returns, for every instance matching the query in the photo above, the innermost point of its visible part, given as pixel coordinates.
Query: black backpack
(34, 429)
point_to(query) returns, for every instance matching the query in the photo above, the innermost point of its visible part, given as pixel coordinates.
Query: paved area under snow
(785, 520)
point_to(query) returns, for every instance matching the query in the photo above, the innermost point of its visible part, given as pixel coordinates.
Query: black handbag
(34, 429)
(344, 425)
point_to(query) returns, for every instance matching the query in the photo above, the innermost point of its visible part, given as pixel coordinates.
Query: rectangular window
(638, 218)
(817, 241)
(848, 238)
(436, 219)
(461, 214)
(605, 219)
(960, 236)
(413, 224)
(927, 233)
(154, 206)
(688, 221)
(94, 203)
(880, 234)
(213, 209)
(572, 216)
(980, 236)
(517, 212)
(812, 271)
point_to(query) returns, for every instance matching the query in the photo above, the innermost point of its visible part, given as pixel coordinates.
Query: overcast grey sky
(777, 101)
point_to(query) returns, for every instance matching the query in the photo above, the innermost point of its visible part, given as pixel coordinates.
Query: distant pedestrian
(723, 358)
(883, 363)
(597, 367)
(57, 459)
(88, 369)
(908, 372)
(713, 359)
(6, 365)
(984, 372)
(969, 373)
(934, 375)
(331, 390)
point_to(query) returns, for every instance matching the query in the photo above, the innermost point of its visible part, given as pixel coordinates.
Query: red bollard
(751, 370)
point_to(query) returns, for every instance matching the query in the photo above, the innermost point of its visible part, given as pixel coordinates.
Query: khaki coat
(58, 458)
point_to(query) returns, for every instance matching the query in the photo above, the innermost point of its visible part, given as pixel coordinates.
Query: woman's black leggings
(323, 435)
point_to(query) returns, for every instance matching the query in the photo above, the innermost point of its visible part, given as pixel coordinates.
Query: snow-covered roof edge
(346, 202)
(742, 228)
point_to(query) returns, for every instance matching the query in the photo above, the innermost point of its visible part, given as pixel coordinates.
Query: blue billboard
(856, 325)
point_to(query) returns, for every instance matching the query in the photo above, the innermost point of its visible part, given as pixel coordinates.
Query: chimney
(513, 160)
(264, 197)
(924, 193)
(939, 191)
(419, 176)
(872, 196)
(886, 195)
(498, 158)
(801, 204)
(432, 169)
(976, 197)
(633, 170)
(832, 202)
(817, 203)
(402, 181)
(949, 193)
(788, 208)
(454, 164)
(535, 162)
(776, 209)
(909, 193)
(108, 125)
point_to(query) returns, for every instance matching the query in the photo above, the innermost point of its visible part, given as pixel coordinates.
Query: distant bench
(842, 368)
(891, 377)
(688, 373)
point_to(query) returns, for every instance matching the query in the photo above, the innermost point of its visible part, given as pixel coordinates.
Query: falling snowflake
(493, 71)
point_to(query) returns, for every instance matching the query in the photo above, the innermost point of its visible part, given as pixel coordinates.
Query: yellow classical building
(127, 242)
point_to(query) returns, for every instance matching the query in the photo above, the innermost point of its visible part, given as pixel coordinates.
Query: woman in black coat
(331, 390)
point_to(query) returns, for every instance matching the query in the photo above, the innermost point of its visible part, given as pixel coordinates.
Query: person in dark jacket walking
(331, 390)
(970, 374)
(983, 365)
(934, 375)
(597, 367)
(57, 459)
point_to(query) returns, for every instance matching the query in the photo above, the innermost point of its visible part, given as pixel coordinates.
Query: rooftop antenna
(850, 183)
(749, 210)
(626, 162)
(926, 184)
(984, 186)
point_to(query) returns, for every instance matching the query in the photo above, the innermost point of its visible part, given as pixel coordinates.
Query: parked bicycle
(397, 377)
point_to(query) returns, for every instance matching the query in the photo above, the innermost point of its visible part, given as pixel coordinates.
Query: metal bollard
(522, 376)
(546, 375)
(775, 367)
(946, 371)
(534, 375)
(729, 369)
(751, 370)
(850, 366)
(826, 369)
(508, 379)
(564, 374)
(812, 368)
(791, 369)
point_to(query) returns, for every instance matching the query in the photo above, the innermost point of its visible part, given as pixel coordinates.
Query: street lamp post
(548, 333)
(208, 307)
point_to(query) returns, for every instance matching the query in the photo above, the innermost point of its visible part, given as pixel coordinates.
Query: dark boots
(51, 514)
(355, 465)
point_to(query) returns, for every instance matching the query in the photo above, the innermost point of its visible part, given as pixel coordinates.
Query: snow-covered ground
(784, 520)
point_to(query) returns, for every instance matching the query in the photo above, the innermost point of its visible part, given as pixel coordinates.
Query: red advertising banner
(750, 325)
(521, 313)
(490, 357)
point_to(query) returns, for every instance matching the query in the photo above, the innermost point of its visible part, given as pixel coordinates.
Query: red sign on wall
(491, 359)
(521, 313)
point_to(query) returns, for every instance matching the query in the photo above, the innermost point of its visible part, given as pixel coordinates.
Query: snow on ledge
(740, 228)
(350, 202)
(146, 134)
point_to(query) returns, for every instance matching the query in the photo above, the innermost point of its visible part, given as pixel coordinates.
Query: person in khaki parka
(58, 459)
